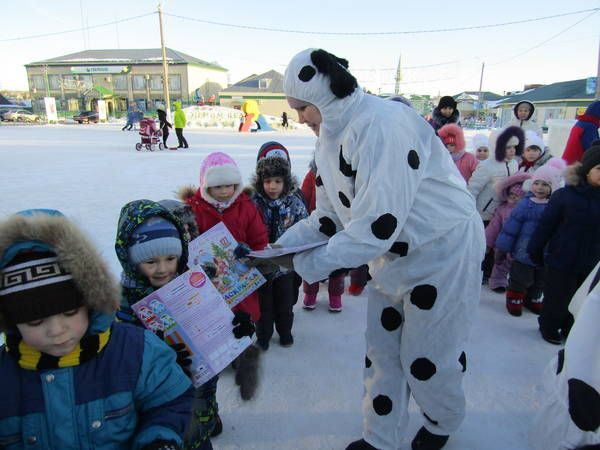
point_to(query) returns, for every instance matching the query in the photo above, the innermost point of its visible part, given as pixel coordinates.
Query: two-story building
(122, 77)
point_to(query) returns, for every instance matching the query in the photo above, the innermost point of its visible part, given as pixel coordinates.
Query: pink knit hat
(452, 134)
(551, 173)
(219, 169)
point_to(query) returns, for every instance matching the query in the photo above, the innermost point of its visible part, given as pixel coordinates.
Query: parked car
(86, 117)
(5, 112)
(20, 115)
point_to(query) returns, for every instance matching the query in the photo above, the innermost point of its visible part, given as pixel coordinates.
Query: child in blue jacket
(526, 279)
(151, 245)
(71, 376)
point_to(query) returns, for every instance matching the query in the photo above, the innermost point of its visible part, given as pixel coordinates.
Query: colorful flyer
(191, 311)
(213, 251)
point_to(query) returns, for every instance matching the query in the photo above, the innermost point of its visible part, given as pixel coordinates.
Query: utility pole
(480, 86)
(398, 76)
(164, 63)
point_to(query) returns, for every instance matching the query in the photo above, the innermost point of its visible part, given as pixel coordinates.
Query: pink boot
(335, 303)
(310, 301)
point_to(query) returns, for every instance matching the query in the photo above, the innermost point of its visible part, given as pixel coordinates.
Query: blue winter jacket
(131, 394)
(570, 226)
(518, 229)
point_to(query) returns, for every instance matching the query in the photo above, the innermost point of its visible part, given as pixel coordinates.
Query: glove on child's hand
(183, 357)
(161, 444)
(242, 250)
(243, 325)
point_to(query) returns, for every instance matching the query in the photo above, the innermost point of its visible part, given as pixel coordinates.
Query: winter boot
(426, 440)
(514, 302)
(360, 445)
(246, 372)
(534, 305)
(286, 341)
(310, 301)
(335, 303)
(355, 289)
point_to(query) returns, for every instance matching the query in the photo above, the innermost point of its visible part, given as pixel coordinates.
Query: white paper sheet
(280, 251)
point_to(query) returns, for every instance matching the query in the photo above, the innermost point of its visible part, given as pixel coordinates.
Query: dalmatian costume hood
(389, 194)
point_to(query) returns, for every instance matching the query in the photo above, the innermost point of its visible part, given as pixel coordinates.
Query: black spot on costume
(422, 369)
(384, 227)
(345, 201)
(391, 319)
(307, 73)
(327, 227)
(399, 248)
(382, 405)
(423, 296)
(413, 160)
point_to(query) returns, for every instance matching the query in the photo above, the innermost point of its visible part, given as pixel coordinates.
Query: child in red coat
(220, 198)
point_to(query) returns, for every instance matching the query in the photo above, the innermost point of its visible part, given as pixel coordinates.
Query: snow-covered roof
(126, 56)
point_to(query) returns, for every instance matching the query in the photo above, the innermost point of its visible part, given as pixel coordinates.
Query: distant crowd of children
(73, 376)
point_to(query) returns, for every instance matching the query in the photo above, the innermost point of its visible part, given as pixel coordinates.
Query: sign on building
(99, 69)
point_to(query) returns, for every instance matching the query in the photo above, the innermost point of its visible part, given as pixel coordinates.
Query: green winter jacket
(179, 116)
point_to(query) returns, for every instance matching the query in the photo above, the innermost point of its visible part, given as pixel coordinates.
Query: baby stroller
(150, 135)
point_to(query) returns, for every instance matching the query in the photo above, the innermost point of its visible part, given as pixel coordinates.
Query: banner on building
(99, 69)
(102, 111)
(51, 115)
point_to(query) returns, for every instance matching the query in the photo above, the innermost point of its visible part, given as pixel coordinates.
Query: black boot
(426, 440)
(218, 428)
(360, 445)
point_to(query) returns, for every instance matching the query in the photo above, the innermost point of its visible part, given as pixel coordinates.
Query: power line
(545, 41)
(379, 33)
(35, 36)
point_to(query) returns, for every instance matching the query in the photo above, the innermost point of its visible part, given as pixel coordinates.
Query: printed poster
(191, 311)
(213, 251)
(51, 114)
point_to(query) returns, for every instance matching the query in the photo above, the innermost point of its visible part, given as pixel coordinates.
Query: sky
(536, 52)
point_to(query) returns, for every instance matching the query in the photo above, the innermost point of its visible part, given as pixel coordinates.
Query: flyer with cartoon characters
(191, 311)
(213, 251)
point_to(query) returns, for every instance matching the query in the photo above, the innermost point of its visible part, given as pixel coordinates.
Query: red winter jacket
(244, 222)
(309, 190)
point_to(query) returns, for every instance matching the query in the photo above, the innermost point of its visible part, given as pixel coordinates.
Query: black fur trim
(503, 139)
(342, 83)
(273, 167)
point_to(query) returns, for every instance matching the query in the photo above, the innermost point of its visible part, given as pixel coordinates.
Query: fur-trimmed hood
(75, 252)
(183, 212)
(273, 167)
(572, 176)
(526, 102)
(504, 137)
(503, 186)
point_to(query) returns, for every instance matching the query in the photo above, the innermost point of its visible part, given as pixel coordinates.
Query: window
(37, 82)
(174, 83)
(86, 81)
(156, 83)
(70, 82)
(264, 83)
(54, 82)
(120, 82)
(139, 83)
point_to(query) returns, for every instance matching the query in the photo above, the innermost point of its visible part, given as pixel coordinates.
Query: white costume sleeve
(389, 167)
(307, 230)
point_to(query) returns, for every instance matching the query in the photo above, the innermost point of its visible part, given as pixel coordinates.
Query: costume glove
(242, 250)
(162, 444)
(242, 325)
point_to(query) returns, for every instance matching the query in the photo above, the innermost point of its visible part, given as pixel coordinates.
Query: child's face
(593, 176)
(56, 335)
(511, 151)
(273, 187)
(513, 196)
(482, 153)
(159, 270)
(451, 148)
(447, 111)
(541, 189)
(531, 154)
(222, 193)
(523, 112)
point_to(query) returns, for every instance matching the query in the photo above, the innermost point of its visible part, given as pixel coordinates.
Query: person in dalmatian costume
(388, 194)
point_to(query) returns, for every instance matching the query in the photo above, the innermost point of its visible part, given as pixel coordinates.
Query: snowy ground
(310, 395)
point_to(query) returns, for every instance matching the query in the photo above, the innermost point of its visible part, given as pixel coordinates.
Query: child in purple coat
(526, 278)
(509, 191)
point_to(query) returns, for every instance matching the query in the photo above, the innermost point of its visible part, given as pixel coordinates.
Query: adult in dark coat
(164, 125)
(445, 112)
(570, 227)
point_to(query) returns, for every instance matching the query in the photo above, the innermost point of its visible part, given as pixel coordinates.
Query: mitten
(242, 250)
(183, 357)
(243, 325)
(338, 272)
(161, 444)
